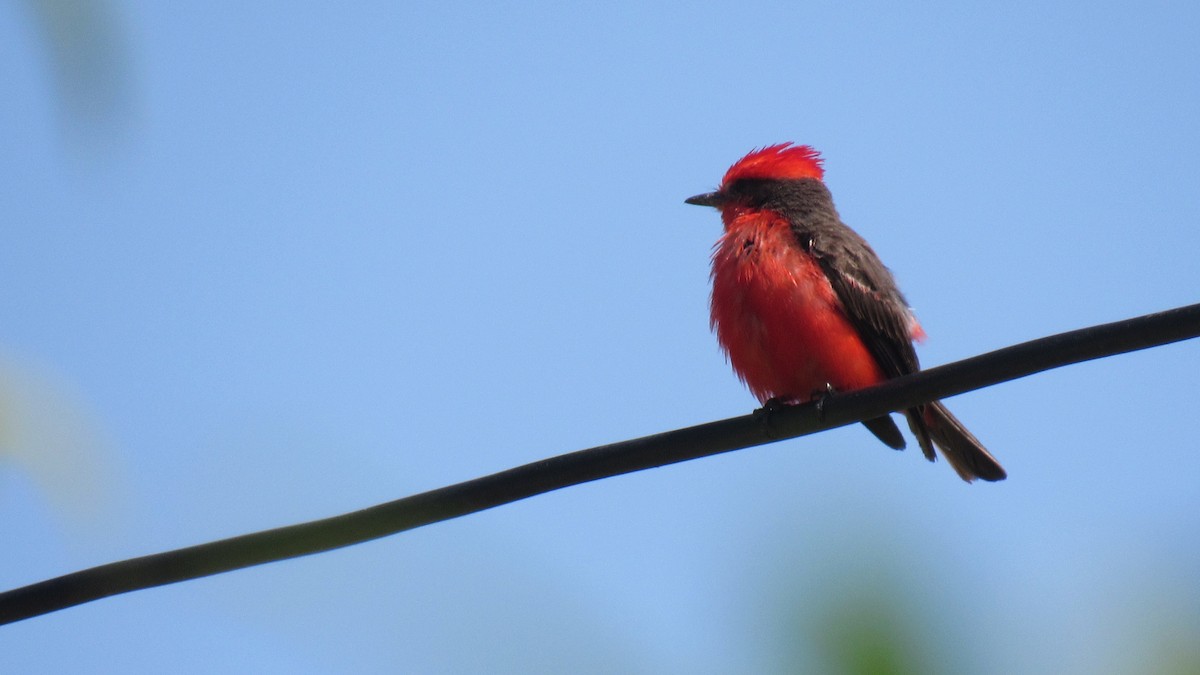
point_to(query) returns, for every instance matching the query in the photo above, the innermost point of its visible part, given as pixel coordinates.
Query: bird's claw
(763, 415)
(821, 397)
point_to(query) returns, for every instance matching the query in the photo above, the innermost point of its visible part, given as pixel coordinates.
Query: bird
(803, 307)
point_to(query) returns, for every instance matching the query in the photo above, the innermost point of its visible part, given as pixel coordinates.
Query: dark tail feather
(933, 424)
(887, 431)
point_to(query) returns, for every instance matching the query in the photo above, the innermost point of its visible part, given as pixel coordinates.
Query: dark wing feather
(884, 322)
(877, 310)
(869, 295)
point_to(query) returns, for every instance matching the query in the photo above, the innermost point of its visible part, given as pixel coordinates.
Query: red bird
(802, 306)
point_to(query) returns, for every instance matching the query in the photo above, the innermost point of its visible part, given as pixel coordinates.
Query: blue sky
(289, 261)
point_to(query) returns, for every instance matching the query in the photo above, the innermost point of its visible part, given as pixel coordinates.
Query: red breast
(777, 317)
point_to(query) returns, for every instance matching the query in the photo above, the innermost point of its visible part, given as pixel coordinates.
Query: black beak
(714, 199)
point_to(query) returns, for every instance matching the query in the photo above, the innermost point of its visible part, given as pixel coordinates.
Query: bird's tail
(933, 424)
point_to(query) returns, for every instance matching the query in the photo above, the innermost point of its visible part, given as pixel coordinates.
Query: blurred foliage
(865, 635)
(46, 432)
(1172, 641)
(89, 63)
(861, 621)
(865, 613)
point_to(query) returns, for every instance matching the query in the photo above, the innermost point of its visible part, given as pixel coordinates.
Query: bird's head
(744, 180)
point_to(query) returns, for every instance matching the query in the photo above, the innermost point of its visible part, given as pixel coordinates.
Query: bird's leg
(774, 403)
(764, 413)
(821, 396)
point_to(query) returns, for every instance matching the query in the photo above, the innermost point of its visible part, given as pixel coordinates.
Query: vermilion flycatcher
(802, 306)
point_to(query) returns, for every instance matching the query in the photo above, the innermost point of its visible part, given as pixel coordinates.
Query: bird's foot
(763, 415)
(821, 396)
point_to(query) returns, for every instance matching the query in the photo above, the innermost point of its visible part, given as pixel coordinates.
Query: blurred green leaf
(88, 55)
